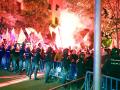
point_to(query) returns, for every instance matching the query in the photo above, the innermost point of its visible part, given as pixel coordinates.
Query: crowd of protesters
(68, 64)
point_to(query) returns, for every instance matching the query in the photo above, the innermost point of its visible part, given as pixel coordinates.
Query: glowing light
(35, 37)
(69, 23)
(21, 37)
(30, 30)
(58, 40)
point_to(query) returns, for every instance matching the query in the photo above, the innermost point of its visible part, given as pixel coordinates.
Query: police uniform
(73, 58)
(42, 60)
(113, 64)
(35, 63)
(7, 56)
(21, 58)
(48, 59)
(28, 56)
(14, 59)
(65, 65)
(80, 65)
(2, 51)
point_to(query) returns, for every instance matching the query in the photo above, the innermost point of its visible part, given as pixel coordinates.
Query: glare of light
(30, 30)
(36, 38)
(69, 22)
(58, 40)
(21, 37)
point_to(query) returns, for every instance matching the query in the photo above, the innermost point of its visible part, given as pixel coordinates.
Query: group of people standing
(66, 63)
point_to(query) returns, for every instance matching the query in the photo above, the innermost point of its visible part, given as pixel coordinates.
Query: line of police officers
(71, 63)
(12, 59)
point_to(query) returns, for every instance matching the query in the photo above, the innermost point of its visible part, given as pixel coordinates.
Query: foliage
(37, 15)
(106, 42)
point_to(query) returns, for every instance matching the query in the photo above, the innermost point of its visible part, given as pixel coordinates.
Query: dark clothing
(35, 64)
(15, 54)
(7, 56)
(28, 55)
(89, 63)
(8, 52)
(73, 58)
(113, 64)
(48, 57)
(21, 58)
(2, 52)
(66, 63)
(36, 58)
(80, 67)
(21, 54)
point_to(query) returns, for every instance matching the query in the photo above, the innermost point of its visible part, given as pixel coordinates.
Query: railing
(107, 82)
(88, 84)
(72, 85)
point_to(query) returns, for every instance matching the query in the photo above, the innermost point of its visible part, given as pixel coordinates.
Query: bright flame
(69, 23)
(21, 37)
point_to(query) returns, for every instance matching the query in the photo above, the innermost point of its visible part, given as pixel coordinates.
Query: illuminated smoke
(21, 37)
(35, 37)
(70, 26)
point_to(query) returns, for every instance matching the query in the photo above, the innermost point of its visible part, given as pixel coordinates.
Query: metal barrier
(72, 85)
(107, 82)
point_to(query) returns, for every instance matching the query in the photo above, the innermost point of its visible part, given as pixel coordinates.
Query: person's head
(49, 50)
(82, 55)
(23, 45)
(65, 51)
(38, 50)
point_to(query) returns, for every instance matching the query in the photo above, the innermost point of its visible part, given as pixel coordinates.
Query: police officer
(80, 65)
(7, 56)
(0, 55)
(28, 56)
(21, 57)
(42, 60)
(73, 59)
(89, 62)
(2, 52)
(15, 55)
(65, 65)
(35, 63)
(114, 63)
(48, 59)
